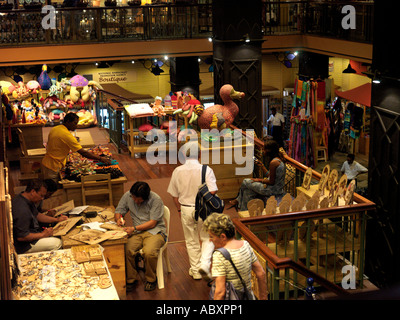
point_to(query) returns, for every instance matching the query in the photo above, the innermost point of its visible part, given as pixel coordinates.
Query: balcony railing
(157, 22)
(314, 244)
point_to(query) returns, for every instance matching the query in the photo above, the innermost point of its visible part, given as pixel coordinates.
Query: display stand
(228, 180)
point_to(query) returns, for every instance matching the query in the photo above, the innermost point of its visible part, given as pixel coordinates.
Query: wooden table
(73, 192)
(85, 139)
(114, 254)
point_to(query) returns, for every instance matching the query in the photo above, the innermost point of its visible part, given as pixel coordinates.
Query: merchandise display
(62, 275)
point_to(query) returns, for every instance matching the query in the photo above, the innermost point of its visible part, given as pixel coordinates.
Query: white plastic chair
(163, 253)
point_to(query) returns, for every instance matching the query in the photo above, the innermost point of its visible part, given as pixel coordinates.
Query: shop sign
(114, 76)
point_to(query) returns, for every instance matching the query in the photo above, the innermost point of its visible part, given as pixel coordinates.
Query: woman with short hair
(222, 232)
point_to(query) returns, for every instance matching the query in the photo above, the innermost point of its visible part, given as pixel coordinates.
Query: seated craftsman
(28, 235)
(52, 187)
(148, 232)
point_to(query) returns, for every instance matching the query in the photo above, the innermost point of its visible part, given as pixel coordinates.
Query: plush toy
(80, 88)
(44, 79)
(20, 92)
(54, 88)
(86, 119)
(7, 87)
(33, 86)
(157, 107)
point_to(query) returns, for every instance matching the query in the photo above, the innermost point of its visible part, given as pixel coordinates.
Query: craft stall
(91, 264)
(308, 138)
(105, 183)
(355, 105)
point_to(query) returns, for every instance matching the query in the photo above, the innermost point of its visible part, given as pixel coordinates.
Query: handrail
(281, 263)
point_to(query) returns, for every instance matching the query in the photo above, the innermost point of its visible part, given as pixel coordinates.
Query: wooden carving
(342, 185)
(255, 207)
(326, 170)
(307, 179)
(322, 182)
(348, 197)
(62, 227)
(324, 203)
(333, 176)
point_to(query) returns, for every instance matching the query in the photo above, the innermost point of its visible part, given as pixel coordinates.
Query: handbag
(230, 292)
(206, 203)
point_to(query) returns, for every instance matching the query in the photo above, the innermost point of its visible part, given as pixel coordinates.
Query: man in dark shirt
(28, 235)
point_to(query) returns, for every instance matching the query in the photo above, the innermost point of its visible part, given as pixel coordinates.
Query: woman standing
(222, 231)
(271, 185)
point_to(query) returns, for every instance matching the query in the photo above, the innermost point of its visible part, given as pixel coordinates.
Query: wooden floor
(178, 284)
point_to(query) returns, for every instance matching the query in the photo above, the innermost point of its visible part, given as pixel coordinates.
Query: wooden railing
(340, 234)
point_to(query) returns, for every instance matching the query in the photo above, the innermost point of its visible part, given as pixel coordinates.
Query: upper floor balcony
(87, 24)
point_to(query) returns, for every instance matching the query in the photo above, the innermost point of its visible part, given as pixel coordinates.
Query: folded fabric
(139, 109)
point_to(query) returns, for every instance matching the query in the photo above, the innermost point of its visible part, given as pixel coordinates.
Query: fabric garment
(198, 244)
(243, 258)
(150, 209)
(151, 245)
(276, 120)
(250, 190)
(45, 244)
(184, 185)
(25, 221)
(60, 143)
(352, 170)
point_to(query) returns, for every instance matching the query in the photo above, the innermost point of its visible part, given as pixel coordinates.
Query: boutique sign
(114, 76)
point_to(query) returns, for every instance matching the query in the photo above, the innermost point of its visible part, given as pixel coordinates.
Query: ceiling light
(247, 38)
(133, 61)
(165, 57)
(210, 39)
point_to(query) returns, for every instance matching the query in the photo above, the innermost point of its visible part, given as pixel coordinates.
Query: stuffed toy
(33, 86)
(44, 79)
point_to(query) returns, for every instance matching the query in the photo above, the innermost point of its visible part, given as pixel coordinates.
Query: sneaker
(205, 273)
(150, 286)
(195, 275)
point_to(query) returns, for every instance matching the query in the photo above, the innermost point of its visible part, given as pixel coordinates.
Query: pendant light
(349, 69)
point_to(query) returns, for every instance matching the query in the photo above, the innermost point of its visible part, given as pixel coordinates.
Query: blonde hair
(218, 224)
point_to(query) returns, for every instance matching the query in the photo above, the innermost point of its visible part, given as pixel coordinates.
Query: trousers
(198, 244)
(46, 244)
(151, 245)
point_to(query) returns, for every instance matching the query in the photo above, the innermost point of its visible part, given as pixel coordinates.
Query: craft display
(157, 107)
(56, 275)
(44, 79)
(307, 179)
(255, 207)
(139, 110)
(62, 227)
(96, 236)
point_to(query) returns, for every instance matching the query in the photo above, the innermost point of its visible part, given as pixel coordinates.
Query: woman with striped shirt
(222, 231)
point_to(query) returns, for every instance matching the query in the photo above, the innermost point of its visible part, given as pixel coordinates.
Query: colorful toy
(7, 87)
(80, 88)
(227, 112)
(21, 91)
(33, 86)
(44, 79)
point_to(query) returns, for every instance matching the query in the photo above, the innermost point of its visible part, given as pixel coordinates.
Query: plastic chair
(101, 180)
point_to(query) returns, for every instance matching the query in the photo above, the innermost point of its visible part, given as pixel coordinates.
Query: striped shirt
(243, 258)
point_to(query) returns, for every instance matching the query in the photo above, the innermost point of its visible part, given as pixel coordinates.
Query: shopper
(147, 233)
(271, 185)
(29, 236)
(352, 168)
(183, 188)
(277, 121)
(60, 143)
(222, 234)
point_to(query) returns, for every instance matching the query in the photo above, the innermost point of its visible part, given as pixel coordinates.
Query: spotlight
(165, 57)
(210, 39)
(156, 70)
(133, 61)
(376, 79)
(247, 38)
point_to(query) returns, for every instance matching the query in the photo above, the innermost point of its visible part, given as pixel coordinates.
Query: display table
(228, 180)
(56, 275)
(73, 191)
(114, 254)
(85, 139)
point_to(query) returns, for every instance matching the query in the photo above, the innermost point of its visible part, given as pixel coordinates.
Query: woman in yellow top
(60, 142)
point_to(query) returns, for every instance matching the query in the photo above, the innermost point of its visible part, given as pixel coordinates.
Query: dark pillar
(383, 230)
(184, 75)
(236, 61)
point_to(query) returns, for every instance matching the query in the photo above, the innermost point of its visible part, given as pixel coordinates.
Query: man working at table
(60, 143)
(28, 235)
(148, 232)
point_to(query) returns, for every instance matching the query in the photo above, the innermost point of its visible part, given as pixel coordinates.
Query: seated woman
(271, 185)
(222, 234)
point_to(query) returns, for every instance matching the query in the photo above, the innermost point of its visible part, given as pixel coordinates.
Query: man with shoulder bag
(183, 188)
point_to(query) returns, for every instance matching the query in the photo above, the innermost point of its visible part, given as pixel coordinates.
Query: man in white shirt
(277, 120)
(183, 188)
(352, 168)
